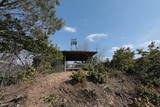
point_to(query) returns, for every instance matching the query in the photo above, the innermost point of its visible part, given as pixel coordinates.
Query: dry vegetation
(57, 91)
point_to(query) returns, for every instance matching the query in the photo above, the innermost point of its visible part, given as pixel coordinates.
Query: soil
(116, 92)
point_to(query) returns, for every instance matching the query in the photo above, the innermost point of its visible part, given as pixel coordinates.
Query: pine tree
(27, 25)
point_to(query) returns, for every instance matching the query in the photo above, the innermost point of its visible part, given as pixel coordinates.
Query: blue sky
(108, 24)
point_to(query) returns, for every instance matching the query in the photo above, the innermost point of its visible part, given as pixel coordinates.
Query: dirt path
(36, 89)
(43, 86)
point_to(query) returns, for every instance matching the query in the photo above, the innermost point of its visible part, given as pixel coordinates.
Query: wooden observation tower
(76, 55)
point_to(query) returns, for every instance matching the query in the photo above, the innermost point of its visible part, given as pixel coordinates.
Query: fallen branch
(14, 100)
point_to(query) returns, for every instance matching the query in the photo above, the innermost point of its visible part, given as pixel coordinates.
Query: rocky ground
(56, 90)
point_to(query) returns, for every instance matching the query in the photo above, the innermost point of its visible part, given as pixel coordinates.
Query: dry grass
(115, 93)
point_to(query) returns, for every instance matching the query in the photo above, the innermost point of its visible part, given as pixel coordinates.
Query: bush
(45, 67)
(123, 59)
(142, 102)
(29, 74)
(117, 73)
(147, 67)
(79, 76)
(97, 71)
(45, 62)
(51, 98)
(100, 68)
(88, 94)
(90, 65)
(98, 77)
(99, 74)
(19, 76)
(145, 96)
(4, 81)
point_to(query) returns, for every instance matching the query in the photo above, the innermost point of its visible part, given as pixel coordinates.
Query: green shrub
(19, 76)
(97, 71)
(145, 96)
(51, 98)
(79, 76)
(123, 59)
(142, 102)
(116, 73)
(88, 94)
(90, 65)
(46, 62)
(108, 90)
(98, 77)
(29, 74)
(4, 81)
(147, 67)
(45, 67)
(100, 68)
(156, 82)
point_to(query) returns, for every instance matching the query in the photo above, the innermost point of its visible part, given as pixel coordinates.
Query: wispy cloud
(92, 37)
(115, 49)
(70, 29)
(124, 46)
(145, 44)
(103, 59)
(128, 46)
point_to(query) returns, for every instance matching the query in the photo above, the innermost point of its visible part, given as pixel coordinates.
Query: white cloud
(70, 29)
(124, 46)
(128, 46)
(145, 44)
(91, 37)
(115, 49)
(103, 59)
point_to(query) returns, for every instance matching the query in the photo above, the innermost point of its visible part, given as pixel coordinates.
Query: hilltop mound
(55, 90)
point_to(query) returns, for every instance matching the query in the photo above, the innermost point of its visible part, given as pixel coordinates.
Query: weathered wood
(11, 101)
(18, 98)
(78, 55)
(4, 105)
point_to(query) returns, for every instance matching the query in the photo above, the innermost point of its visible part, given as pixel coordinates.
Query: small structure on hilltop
(74, 43)
(81, 56)
(76, 55)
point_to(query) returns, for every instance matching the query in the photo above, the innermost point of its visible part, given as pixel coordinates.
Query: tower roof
(78, 55)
